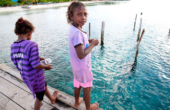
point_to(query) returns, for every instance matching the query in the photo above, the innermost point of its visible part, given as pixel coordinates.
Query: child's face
(79, 16)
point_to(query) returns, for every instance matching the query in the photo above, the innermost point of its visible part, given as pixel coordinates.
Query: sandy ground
(18, 8)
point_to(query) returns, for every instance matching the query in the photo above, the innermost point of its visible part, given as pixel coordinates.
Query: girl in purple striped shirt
(25, 56)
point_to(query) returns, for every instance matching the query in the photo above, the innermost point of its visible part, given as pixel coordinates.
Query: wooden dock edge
(63, 97)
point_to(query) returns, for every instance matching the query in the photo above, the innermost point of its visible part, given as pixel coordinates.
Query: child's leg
(51, 97)
(37, 104)
(77, 95)
(86, 96)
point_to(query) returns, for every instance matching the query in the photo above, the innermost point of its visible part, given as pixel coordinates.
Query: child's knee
(88, 89)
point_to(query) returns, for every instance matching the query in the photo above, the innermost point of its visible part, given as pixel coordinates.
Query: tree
(43, 1)
(19, 1)
(55, 0)
(6, 2)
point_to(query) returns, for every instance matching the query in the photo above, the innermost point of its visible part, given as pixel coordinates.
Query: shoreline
(18, 8)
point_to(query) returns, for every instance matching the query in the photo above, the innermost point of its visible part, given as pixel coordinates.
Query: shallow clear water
(115, 86)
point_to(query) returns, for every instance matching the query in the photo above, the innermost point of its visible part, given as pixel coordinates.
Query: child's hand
(42, 58)
(48, 67)
(90, 41)
(95, 42)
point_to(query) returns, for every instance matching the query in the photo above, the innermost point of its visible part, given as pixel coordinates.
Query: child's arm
(34, 58)
(81, 52)
(46, 67)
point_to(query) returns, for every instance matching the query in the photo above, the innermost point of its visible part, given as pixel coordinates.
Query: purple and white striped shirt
(25, 56)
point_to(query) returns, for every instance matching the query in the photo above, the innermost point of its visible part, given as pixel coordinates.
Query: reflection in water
(102, 47)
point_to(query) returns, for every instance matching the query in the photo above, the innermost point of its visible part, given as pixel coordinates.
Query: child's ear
(28, 34)
(71, 17)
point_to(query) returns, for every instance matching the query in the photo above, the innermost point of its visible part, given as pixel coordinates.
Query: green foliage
(19, 1)
(55, 0)
(43, 1)
(25, 2)
(6, 3)
(60, 1)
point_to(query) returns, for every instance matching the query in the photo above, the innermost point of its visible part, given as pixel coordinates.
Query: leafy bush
(25, 2)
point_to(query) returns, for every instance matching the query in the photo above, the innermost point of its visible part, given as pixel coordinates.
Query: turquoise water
(115, 86)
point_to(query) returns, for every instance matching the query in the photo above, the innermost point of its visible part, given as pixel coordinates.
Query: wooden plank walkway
(13, 87)
(19, 96)
(7, 104)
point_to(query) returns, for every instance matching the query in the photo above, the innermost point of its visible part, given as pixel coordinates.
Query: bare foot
(94, 106)
(77, 104)
(55, 93)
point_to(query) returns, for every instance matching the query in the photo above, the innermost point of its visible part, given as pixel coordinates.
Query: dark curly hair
(23, 26)
(71, 9)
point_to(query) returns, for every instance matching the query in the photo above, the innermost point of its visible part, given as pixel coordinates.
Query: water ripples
(116, 85)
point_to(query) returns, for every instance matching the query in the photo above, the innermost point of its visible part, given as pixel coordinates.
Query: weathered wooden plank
(63, 97)
(19, 96)
(10, 71)
(21, 85)
(7, 104)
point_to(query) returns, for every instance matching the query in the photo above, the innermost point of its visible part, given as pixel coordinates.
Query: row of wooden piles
(139, 36)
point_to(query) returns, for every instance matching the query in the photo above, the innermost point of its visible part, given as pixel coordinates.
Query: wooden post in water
(135, 22)
(89, 30)
(102, 33)
(139, 29)
(137, 46)
(141, 35)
